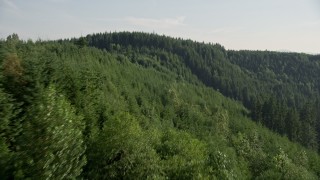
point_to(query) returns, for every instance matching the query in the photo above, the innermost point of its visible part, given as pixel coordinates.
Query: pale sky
(285, 25)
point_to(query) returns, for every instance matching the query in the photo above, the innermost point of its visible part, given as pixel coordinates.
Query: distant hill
(274, 86)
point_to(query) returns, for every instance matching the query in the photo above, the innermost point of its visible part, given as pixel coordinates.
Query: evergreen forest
(134, 105)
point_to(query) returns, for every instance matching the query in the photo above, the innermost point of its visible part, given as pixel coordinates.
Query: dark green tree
(293, 125)
(121, 151)
(7, 113)
(82, 42)
(51, 142)
(308, 125)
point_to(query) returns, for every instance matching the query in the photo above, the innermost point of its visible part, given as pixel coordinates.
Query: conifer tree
(52, 142)
(6, 114)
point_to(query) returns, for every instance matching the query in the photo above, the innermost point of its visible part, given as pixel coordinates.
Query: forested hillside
(280, 89)
(144, 106)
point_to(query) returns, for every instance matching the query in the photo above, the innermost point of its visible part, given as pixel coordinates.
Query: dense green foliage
(143, 106)
(273, 85)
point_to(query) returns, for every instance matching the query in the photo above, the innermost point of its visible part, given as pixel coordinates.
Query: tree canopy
(143, 106)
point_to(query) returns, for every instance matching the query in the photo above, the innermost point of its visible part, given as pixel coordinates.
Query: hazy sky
(292, 25)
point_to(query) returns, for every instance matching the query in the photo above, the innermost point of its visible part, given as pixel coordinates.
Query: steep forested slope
(280, 89)
(132, 111)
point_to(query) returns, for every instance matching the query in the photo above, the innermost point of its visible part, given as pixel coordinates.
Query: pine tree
(52, 142)
(292, 125)
(308, 125)
(6, 114)
(121, 152)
